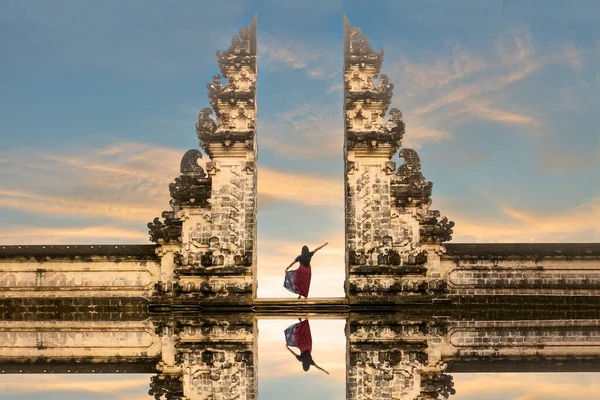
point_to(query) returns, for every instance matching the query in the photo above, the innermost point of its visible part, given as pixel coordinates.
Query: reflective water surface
(468, 355)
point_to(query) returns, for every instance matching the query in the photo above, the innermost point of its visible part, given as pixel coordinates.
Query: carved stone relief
(214, 213)
(387, 215)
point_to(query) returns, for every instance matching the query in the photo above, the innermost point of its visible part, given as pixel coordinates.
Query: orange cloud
(292, 187)
(32, 235)
(110, 386)
(531, 386)
(328, 267)
(576, 224)
(329, 350)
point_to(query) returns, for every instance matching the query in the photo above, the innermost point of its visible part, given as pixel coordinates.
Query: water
(473, 354)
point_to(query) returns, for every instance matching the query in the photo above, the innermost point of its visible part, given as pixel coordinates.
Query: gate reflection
(408, 355)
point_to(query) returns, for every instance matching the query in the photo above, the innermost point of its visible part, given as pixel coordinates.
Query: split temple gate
(102, 308)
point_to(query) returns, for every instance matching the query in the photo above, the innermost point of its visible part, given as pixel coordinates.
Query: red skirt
(303, 337)
(302, 280)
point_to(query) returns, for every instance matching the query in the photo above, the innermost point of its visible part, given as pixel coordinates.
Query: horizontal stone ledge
(538, 364)
(520, 250)
(388, 270)
(133, 251)
(381, 346)
(524, 299)
(215, 271)
(408, 309)
(76, 366)
(74, 309)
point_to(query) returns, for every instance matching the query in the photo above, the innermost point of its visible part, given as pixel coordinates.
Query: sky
(99, 100)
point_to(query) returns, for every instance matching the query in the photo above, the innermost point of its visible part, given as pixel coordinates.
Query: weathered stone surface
(549, 272)
(393, 239)
(74, 309)
(69, 275)
(393, 359)
(195, 357)
(64, 341)
(213, 222)
(209, 357)
(409, 357)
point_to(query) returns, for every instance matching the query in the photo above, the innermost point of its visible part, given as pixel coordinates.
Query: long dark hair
(306, 360)
(304, 256)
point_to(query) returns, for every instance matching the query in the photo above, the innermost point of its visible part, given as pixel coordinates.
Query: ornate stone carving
(390, 358)
(387, 215)
(434, 229)
(214, 214)
(242, 51)
(193, 186)
(436, 385)
(365, 99)
(206, 126)
(357, 49)
(225, 373)
(168, 387)
(234, 101)
(409, 186)
(167, 231)
(206, 357)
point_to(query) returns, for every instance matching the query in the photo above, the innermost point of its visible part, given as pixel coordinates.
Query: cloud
(576, 224)
(419, 77)
(491, 114)
(109, 386)
(420, 132)
(292, 187)
(306, 132)
(318, 62)
(564, 161)
(328, 272)
(120, 186)
(442, 93)
(462, 77)
(71, 235)
(329, 350)
(125, 182)
(531, 386)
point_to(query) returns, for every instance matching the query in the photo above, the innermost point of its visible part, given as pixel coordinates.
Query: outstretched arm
(321, 369)
(290, 266)
(320, 247)
(291, 351)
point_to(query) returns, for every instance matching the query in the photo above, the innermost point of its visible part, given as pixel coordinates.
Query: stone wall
(210, 358)
(78, 271)
(489, 271)
(389, 358)
(49, 342)
(194, 357)
(408, 357)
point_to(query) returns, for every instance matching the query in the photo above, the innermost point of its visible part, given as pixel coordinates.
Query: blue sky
(99, 102)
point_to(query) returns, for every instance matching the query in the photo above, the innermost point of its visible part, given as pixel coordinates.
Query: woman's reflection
(298, 335)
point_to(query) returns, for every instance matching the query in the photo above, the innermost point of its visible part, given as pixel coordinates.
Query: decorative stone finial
(192, 187)
(234, 102)
(367, 96)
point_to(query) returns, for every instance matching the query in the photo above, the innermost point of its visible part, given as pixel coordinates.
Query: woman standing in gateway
(298, 280)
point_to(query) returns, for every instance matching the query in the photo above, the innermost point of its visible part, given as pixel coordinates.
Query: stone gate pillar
(213, 219)
(389, 358)
(207, 358)
(392, 238)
